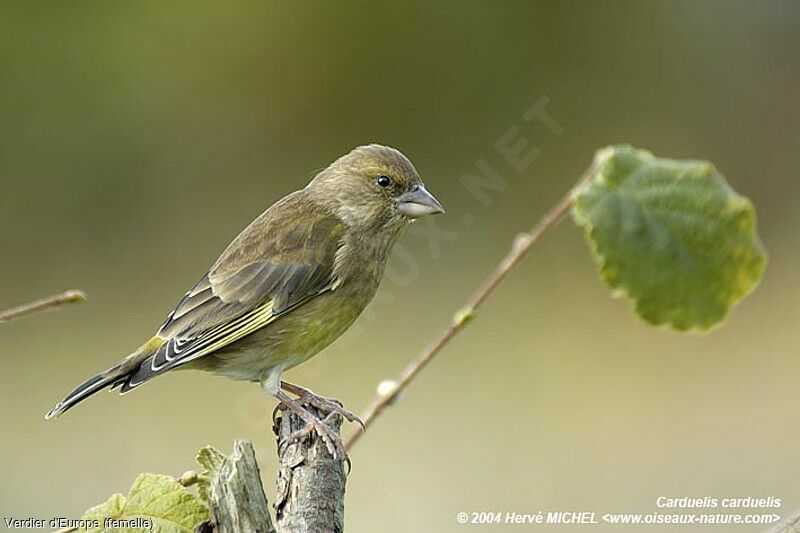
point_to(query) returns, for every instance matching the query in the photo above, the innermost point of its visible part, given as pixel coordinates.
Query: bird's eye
(383, 181)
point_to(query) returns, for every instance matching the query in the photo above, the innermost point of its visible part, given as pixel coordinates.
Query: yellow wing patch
(226, 334)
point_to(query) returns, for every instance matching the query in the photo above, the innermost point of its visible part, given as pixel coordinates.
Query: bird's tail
(108, 378)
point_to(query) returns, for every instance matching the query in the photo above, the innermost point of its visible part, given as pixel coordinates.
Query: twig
(50, 302)
(311, 482)
(389, 390)
(790, 524)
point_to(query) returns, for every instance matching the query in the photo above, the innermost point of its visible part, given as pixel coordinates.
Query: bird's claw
(278, 408)
(332, 441)
(313, 424)
(331, 406)
(324, 404)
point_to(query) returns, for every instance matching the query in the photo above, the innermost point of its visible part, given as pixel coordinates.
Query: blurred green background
(137, 138)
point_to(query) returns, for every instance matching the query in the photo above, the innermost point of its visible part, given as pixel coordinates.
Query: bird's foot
(333, 442)
(331, 439)
(326, 405)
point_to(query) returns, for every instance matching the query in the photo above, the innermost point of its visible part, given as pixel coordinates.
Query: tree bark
(311, 483)
(236, 497)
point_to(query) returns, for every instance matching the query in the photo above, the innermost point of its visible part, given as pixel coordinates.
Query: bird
(293, 281)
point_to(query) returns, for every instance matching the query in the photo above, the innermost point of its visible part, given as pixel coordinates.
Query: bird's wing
(283, 259)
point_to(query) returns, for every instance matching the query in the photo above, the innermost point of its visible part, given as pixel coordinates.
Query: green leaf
(671, 235)
(211, 460)
(167, 506)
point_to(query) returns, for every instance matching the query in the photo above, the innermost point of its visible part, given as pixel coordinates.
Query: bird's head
(374, 187)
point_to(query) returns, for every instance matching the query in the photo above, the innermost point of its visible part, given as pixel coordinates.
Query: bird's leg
(332, 441)
(328, 405)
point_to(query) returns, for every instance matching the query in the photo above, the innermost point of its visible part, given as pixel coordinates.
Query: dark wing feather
(283, 259)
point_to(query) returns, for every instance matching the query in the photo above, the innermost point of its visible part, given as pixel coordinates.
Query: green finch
(287, 286)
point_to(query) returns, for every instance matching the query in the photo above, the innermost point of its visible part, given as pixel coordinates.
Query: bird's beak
(418, 202)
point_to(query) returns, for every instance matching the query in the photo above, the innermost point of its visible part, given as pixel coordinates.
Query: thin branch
(50, 302)
(389, 390)
(790, 524)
